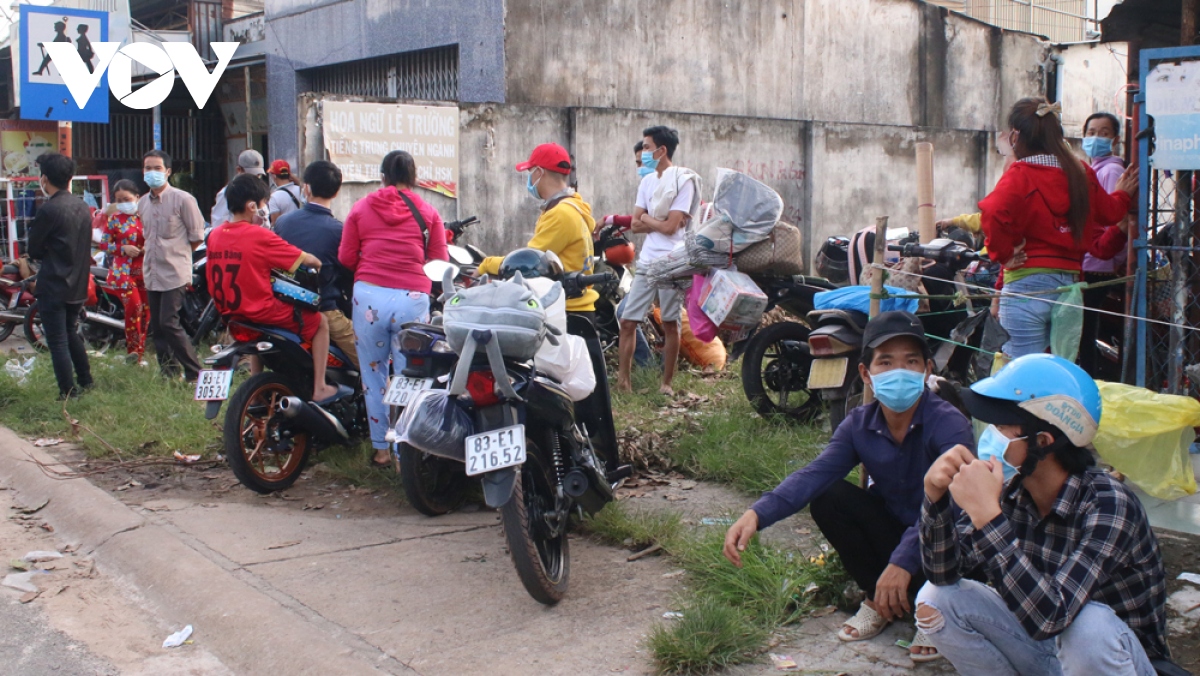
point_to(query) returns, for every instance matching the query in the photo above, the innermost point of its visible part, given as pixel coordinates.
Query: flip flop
(866, 622)
(342, 393)
(921, 640)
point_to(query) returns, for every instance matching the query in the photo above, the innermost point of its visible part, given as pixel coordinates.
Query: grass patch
(352, 465)
(728, 613)
(132, 407)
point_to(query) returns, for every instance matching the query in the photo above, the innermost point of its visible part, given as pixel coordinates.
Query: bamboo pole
(926, 211)
(876, 290)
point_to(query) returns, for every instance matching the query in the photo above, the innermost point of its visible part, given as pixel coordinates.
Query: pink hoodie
(382, 243)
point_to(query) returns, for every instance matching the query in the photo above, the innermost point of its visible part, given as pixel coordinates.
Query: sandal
(921, 640)
(866, 622)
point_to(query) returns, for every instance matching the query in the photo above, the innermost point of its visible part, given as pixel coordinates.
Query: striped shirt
(1095, 544)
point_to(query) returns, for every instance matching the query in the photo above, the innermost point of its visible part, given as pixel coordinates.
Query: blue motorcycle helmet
(1042, 392)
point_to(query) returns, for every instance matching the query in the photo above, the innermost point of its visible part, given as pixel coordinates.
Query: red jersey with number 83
(241, 256)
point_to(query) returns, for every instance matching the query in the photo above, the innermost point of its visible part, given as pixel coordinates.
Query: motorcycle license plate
(213, 385)
(827, 373)
(403, 389)
(494, 450)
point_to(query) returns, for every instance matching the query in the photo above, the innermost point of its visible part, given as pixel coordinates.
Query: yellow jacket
(565, 229)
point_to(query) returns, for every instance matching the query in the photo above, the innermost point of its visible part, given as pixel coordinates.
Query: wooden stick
(926, 211)
(877, 273)
(645, 552)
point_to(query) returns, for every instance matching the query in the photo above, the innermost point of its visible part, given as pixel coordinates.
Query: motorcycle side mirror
(459, 255)
(436, 270)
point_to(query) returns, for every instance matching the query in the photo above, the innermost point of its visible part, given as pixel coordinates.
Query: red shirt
(241, 256)
(1031, 203)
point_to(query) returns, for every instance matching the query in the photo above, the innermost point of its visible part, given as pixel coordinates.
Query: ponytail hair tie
(1045, 108)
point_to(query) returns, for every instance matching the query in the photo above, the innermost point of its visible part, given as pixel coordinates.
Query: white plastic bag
(19, 370)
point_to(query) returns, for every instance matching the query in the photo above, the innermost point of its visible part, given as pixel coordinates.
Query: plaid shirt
(1094, 545)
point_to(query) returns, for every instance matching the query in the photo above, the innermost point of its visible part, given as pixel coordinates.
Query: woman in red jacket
(1050, 206)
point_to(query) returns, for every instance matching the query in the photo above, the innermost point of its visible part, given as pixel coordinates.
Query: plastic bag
(1066, 323)
(571, 367)
(703, 328)
(20, 370)
(1146, 436)
(434, 423)
(859, 298)
(705, 354)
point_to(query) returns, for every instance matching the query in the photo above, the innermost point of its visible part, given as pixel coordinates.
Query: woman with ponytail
(1049, 206)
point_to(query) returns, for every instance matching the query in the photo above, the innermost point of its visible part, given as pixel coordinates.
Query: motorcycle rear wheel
(6, 330)
(32, 328)
(432, 485)
(261, 458)
(543, 563)
(771, 378)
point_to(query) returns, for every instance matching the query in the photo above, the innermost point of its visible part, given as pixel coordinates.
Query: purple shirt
(1108, 171)
(897, 470)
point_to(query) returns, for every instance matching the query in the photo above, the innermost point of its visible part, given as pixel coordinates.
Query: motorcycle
(776, 366)
(835, 342)
(614, 253)
(198, 313)
(102, 324)
(270, 428)
(521, 435)
(16, 296)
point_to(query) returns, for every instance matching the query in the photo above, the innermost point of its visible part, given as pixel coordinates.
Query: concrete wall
(1092, 80)
(889, 62)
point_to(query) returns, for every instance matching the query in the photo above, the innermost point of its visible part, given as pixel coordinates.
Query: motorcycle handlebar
(955, 252)
(592, 280)
(457, 227)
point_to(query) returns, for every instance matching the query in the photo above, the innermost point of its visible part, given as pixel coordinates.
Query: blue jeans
(980, 635)
(68, 354)
(1027, 320)
(379, 312)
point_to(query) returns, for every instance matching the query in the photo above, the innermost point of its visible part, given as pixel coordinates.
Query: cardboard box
(731, 297)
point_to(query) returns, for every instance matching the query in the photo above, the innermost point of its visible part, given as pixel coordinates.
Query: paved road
(30, 646)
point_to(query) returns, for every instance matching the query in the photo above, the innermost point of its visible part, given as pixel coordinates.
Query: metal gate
(1167, 287)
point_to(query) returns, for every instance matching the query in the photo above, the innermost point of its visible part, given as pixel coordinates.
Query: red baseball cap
(548, 156)
(280, 168)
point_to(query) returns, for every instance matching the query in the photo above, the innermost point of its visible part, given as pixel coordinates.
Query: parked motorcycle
(16, 296)
(102, 325)
(614, 253)
(775, 369)
(198, 313)
(521, 435)
(835, 342)
(271, 428)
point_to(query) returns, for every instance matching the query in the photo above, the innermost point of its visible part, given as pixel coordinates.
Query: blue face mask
(532, 187)
(1097, 146)
(644, 171)
(898, 389)
(993, 444)
(648, 161)
(155, 179)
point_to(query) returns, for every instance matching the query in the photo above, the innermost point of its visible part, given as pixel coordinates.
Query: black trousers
(862, 530)
(1090, 359)
(171, 342)
(67, 351)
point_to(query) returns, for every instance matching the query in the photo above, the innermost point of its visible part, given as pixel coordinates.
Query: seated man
(241, 255)
(1077, 581)
(897, 438)
(313, 228)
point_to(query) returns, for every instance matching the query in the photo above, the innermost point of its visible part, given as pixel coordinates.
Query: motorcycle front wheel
(432, 485)
(6, 330)
(264, 455)
(542, 559)
(775, 373)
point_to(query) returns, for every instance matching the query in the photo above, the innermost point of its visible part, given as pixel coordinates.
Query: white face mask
(127, 208)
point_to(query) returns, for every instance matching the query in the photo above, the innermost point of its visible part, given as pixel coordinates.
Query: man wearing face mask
(173, 228)
(248, 162)
(896, 438)
(1077, 580)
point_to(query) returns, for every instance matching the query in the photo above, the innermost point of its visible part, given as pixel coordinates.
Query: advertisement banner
(22, 142)
(44, 93)
(358, 135)
(1173, 99)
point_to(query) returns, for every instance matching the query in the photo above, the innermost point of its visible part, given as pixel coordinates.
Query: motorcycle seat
(852, 318)
(102, 273)
(10, 270)
(424, 327)
(276, 332)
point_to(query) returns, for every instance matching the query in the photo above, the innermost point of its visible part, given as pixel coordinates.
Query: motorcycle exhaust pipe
(7, 316)
(105, 320)
(312, 418)
(588, 489)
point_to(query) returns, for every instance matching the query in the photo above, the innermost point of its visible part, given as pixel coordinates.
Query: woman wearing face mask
(1101, 136)
(1053, 203)
(1076, 577)
(386, 241)
(122, 238)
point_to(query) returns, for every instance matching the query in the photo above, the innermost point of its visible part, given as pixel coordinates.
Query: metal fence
(428, 74)
(20, 199)
(1058, 20)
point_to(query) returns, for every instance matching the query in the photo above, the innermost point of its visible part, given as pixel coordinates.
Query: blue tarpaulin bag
(859, 298)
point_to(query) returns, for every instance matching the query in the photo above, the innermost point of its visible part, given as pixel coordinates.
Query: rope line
(1027, 296)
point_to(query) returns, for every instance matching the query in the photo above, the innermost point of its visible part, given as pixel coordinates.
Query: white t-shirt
(281, 200)
(658, 244)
